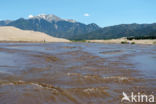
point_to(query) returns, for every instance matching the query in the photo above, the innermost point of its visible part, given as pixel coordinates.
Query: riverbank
(124, 41)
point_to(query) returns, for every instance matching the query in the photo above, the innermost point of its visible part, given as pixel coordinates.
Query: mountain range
(123, 30)
(73, 30)
(52, 25)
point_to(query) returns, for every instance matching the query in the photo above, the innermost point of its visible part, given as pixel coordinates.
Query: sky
(102, 12)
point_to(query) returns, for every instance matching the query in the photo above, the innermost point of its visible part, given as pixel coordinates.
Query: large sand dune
(8, 33)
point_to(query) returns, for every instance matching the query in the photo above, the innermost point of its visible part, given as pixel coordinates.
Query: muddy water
(74, 73)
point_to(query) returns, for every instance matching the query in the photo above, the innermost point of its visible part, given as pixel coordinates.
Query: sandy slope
(8, 33)
(147, 41)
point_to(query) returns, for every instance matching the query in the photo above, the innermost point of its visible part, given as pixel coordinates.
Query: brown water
(74, 73)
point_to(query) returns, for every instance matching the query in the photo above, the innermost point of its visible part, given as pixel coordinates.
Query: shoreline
(124, 41)
(111, 41)
(32, 42)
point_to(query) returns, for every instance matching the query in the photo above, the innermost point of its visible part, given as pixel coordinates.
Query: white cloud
(30, 16)
(86, 15)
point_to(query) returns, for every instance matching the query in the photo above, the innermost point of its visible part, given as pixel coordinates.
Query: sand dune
(8, 33)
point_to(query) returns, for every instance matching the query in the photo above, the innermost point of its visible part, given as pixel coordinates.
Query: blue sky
(101, 12)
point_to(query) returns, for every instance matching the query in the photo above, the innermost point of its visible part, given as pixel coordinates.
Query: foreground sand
(12, 34)
(147, 41)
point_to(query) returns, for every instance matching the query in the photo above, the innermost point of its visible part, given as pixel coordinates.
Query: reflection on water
(146, 64)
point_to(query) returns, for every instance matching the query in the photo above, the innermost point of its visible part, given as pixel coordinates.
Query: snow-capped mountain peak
(50, 18)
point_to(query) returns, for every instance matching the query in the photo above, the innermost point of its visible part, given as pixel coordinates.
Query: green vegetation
(78, 40)
(133, 43)
(154, 42)
(141, 37)
(88, 41)
(124, 42)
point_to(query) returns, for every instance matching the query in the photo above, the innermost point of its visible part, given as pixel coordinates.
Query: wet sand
(74, 73)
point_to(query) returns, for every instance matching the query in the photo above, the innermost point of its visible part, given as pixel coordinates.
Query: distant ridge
(73, 30)
(119, 31)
